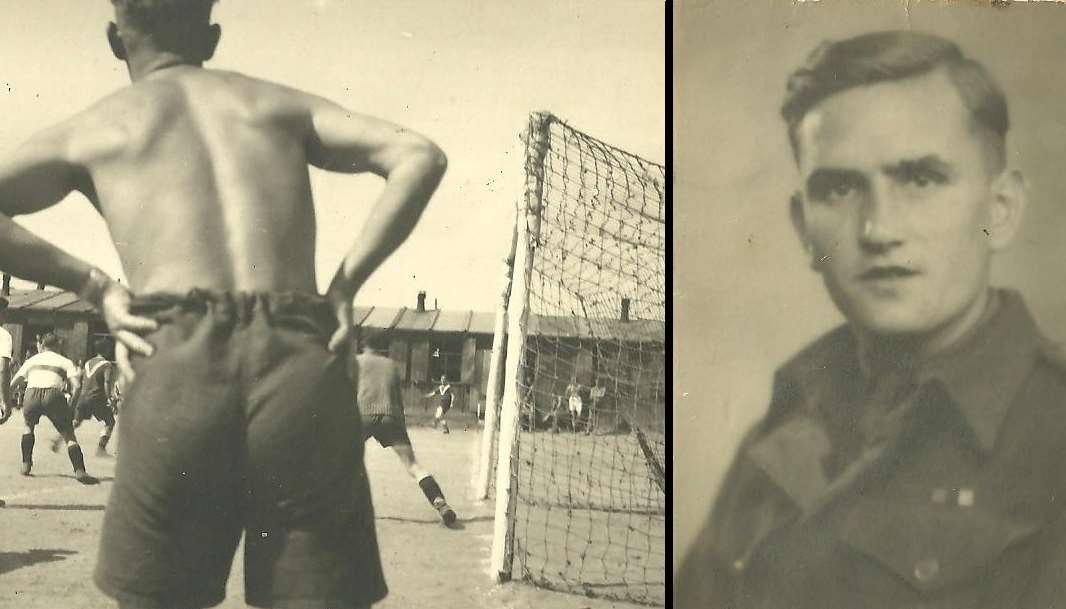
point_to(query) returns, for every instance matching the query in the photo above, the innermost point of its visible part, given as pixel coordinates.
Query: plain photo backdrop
(744, 297)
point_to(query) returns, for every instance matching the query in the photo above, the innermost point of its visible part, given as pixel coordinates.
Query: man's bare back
(202, 177)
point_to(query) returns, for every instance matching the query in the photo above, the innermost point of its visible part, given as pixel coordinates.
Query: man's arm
(109, 381)
(20, 376)
(412, 166)
(7, 406)
(35, 177)
(75, 388)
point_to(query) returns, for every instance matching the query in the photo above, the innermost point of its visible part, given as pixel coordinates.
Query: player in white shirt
(46, 376)
(6, 352)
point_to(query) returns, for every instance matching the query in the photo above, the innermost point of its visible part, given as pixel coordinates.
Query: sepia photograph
(869, 376)
(328, 304)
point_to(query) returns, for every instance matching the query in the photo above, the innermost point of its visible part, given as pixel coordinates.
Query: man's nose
(881, 221)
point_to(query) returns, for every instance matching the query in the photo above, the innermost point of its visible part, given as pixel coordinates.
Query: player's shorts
(88, 407)
(575, 405)
(50, 403)
(240, 421)
(386, 429)
(444, 407)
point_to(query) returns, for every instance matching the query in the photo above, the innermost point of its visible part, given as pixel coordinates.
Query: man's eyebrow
(823, 177)
(928, 162)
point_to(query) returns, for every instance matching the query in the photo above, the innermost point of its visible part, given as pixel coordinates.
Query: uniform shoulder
(1053, 354)
(827, 350)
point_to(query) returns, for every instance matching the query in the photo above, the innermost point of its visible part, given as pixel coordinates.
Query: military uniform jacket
(962, 505)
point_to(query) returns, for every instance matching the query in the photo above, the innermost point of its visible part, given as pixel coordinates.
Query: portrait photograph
(869, 304)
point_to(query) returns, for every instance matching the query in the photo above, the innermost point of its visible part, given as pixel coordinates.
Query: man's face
(897, 198)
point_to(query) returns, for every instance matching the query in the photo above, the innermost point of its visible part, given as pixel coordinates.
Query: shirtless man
(239, 415)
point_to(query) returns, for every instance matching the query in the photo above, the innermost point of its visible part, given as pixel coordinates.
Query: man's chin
(890, 324)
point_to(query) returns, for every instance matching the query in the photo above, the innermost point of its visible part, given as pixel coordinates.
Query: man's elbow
(433, 157)
(423, 153)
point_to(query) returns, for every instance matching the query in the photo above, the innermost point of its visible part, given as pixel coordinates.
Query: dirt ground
(49, 531)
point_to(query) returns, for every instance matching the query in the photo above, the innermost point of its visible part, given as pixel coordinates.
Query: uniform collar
(980, 375)
(983, 373)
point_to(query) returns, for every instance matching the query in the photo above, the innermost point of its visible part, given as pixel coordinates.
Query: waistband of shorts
(238, 303)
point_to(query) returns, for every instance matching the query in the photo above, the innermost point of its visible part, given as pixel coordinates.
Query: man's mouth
(879, 273)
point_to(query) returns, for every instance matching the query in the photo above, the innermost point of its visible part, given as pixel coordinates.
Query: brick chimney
(421, 308)
(625, 309)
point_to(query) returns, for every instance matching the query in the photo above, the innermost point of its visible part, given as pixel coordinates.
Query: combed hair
(894, 55)
(159, 16)
(101, 346)
(378, 340)
(49, 340)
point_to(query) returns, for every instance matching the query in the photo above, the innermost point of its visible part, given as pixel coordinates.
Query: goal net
(580, 478)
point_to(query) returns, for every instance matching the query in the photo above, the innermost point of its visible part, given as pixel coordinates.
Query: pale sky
(464, 72)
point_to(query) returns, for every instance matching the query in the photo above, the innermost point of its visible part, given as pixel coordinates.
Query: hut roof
(54, 301)
(477, 322)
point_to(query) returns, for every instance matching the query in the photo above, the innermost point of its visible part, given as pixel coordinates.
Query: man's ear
(214, 34)
(799, 224)
(115, 40)
(1007, 207)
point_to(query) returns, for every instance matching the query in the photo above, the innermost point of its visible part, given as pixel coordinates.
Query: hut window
(446, 358)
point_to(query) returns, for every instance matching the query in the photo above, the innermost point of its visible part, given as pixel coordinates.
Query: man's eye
(923, 179)
(840, 190)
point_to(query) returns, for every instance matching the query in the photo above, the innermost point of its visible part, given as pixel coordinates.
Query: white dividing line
(43, 491)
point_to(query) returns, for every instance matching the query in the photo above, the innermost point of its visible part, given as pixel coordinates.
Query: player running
(238, 418)
(445, 397)
(7, 350)
(381, 406)
(95, 397)
(46, 376)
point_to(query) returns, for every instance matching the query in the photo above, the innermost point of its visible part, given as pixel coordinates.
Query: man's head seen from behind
(179, 27)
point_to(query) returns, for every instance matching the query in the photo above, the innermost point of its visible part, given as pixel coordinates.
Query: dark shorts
(386, 429)
(50, 403)
(240, 421)
(89, 407)
(445, 407)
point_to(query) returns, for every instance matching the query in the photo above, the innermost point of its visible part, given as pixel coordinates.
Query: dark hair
(894, 55)
(377, 340)
(101, 346)
(163, 18)
(49, 341)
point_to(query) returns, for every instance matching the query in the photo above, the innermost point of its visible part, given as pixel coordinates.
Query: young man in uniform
(381, 407)
(46, 376)
(95, 398)
(445, 397)
(239, 416)
(913, 456)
